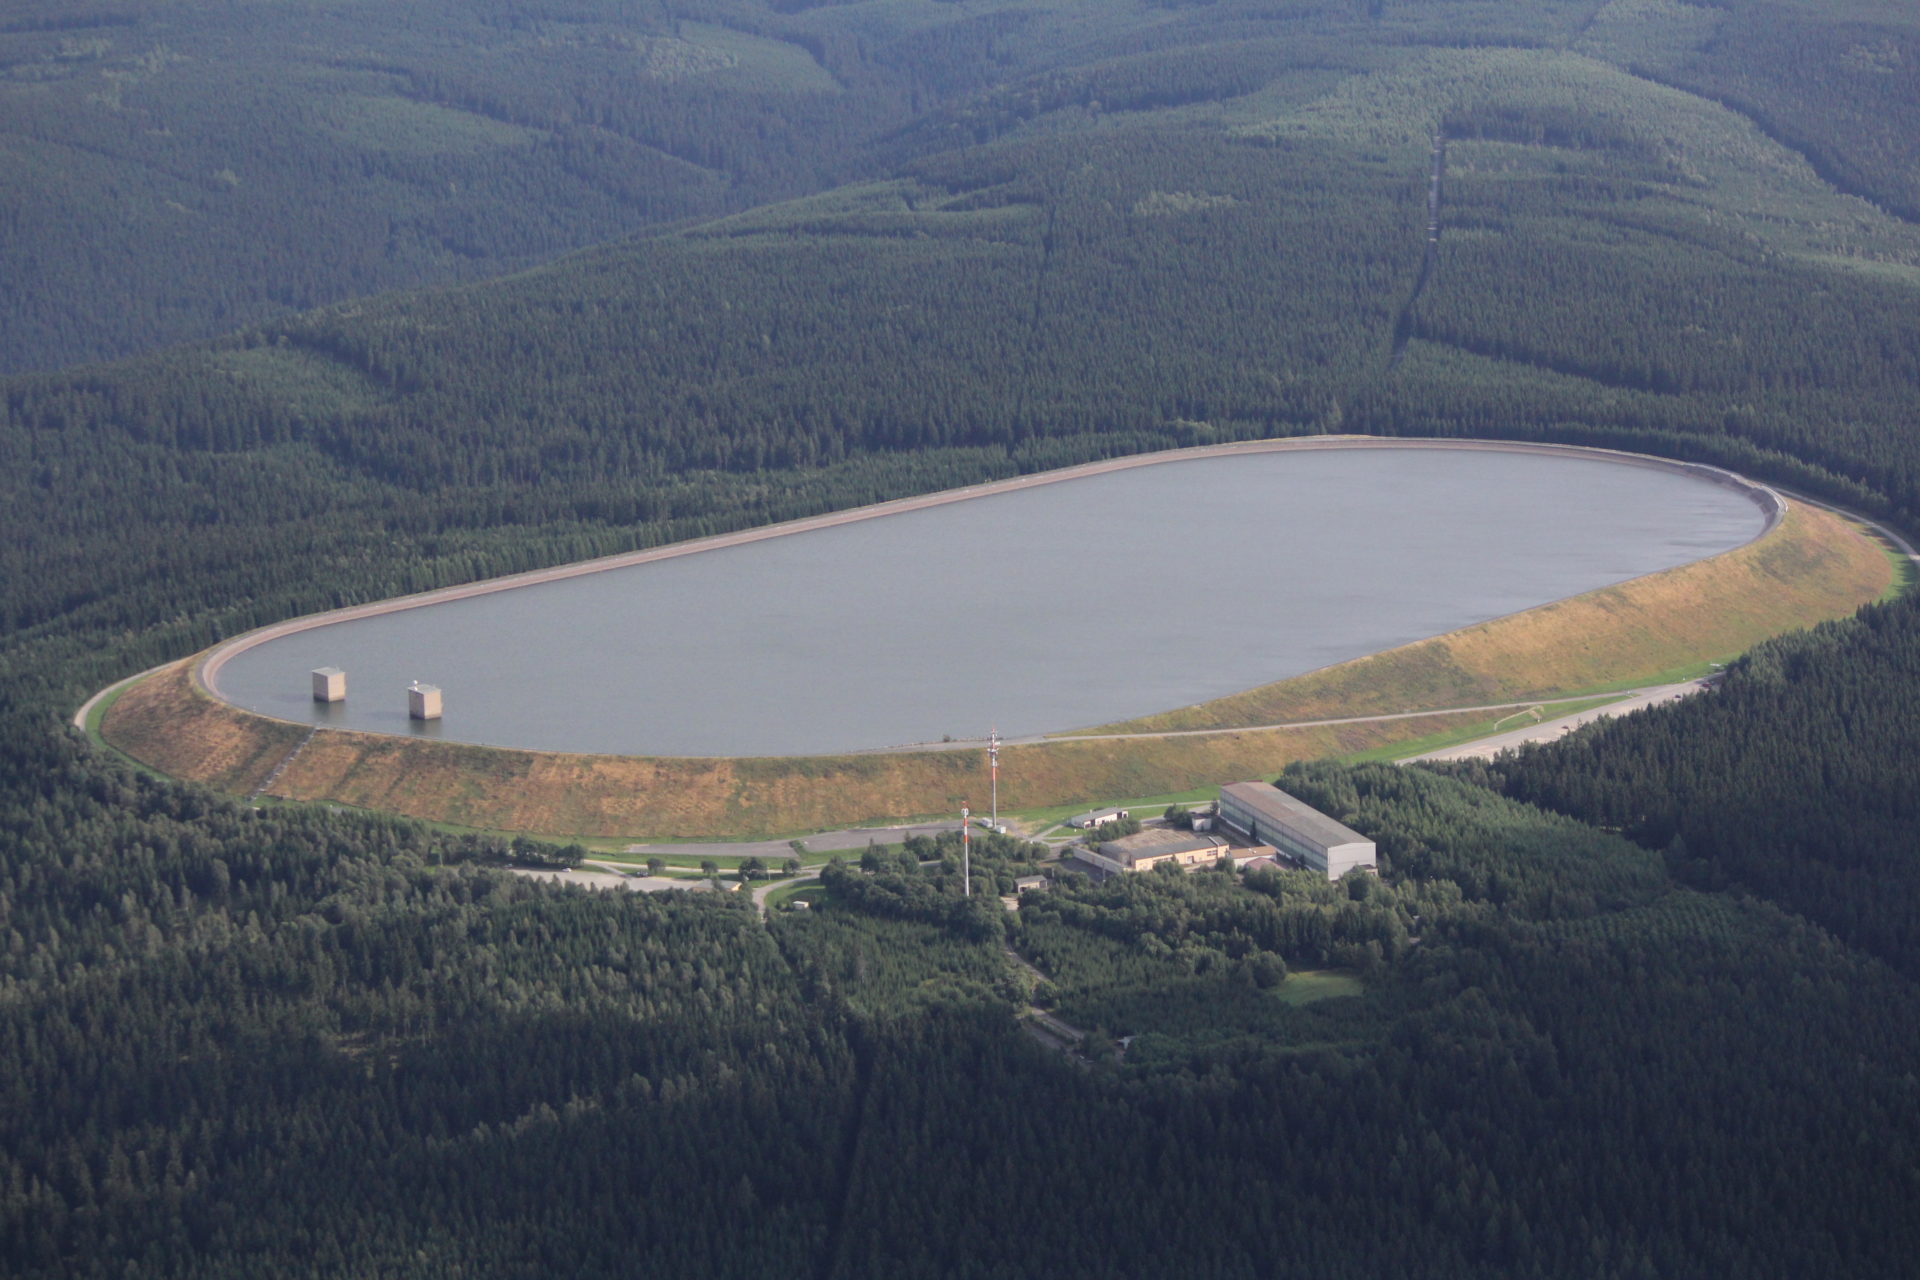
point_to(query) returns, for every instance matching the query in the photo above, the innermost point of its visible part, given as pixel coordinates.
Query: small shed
(1254, 853)
(1095, 817)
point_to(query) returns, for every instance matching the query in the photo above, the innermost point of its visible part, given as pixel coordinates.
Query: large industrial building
(1263, 812)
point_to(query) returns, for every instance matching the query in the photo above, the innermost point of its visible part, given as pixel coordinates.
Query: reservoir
(1041, 609)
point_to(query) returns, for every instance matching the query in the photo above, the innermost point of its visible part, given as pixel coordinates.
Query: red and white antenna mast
(966, 854)
(993, 769)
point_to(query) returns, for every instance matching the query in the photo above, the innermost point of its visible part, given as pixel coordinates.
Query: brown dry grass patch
(165, 721)
(584, 795)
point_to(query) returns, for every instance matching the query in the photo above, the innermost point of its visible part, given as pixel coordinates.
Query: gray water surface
(1067, 605)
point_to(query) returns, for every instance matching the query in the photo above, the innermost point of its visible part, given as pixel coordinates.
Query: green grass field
(1140, 806)
(1905, 573)
(809, 891)
(1308, 985)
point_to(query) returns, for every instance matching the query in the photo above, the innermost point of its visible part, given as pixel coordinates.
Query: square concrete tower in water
(329, 684)
(423, 701)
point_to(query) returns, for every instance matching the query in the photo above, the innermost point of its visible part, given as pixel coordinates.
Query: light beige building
(1149, 849)
(1095, 817)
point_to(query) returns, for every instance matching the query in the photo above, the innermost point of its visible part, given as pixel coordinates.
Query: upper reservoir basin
(1081, 602)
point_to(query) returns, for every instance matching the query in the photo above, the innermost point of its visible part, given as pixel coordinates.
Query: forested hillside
(1618, 262)
(320, 1045)
(1650, 1012)
(1792, 782)
(206, 164)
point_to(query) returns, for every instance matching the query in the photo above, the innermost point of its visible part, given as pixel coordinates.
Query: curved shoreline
(206, 670)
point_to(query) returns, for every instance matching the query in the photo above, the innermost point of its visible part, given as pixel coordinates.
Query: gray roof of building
(1158, 842)
(1270, 801)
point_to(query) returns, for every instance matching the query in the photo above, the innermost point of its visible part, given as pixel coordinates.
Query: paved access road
(1487, 748)
(604, 875)
(599, 876)
(588, 879)
(855, 838)
(1548, 730)
(612, 875)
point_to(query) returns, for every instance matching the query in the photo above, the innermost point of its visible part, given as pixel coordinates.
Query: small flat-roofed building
(329, 684)
(1148, 849)
(423, 701)
(1253, 853)
(1022, 886)
(1082, 861)
(1263, 812)
(1095, 817)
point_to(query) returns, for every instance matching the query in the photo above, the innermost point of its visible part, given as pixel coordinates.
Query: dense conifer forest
(1644, 1003)
(207, 164)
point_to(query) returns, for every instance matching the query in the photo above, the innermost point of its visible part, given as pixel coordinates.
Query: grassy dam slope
(1812, 566)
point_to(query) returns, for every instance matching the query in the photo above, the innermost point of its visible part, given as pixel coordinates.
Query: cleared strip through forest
(835, 1248)
(1403, 327)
